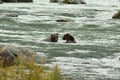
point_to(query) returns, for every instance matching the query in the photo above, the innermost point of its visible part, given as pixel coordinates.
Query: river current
(95, 56)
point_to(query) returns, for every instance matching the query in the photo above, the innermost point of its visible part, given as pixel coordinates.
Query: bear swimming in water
(69, 38)
(52, 38)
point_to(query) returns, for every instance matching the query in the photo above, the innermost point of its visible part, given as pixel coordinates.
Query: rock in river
(116, 16)
(69, 1)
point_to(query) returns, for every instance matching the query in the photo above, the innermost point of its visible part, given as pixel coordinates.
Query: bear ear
(54, 34)
(67, 34)
(51, 34)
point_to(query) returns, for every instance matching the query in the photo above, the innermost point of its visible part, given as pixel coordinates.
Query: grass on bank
(29, 71)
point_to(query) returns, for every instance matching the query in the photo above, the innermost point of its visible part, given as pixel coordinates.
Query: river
(95, 56)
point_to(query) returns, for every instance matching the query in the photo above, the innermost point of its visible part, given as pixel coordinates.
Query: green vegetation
(29, 71)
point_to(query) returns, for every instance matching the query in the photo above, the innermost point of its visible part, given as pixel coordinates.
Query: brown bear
(52, 38)
(69, 38)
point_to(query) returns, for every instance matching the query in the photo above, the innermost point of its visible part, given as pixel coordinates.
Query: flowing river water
(95, 56)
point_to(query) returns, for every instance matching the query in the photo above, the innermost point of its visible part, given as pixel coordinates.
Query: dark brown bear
(69, 38)
(52, 38)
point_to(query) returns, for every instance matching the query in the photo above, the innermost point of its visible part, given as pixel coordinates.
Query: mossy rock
(116, 16)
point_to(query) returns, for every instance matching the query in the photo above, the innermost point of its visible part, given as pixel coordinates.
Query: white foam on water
(79, 51)
(100, 67)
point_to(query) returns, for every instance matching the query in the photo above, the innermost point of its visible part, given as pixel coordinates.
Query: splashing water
(95, 56)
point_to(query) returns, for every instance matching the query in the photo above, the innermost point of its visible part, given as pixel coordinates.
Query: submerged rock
(52, 1)
(9, 53)
(64, 20)
(69, 1)
(12, 15)
(116, 16)
(24, 0)
(74, 1)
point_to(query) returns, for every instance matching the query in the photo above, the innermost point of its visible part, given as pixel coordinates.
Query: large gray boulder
(116, 16)
(69, 1)
(8, 55)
